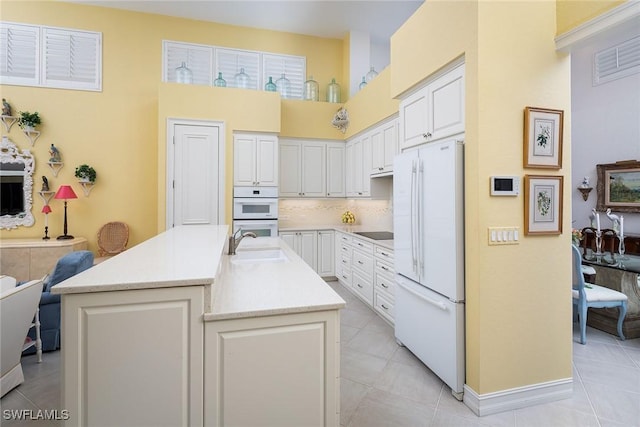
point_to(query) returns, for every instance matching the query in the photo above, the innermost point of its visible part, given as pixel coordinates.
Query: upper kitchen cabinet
(255, 160)
(358, 162)
(434, 111)
(312, 169)
(384, 147)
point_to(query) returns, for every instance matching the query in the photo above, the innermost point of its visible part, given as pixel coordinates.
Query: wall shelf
(86, 187)
(8, 121)
(46, 196)
(32, 135)
(55, 167)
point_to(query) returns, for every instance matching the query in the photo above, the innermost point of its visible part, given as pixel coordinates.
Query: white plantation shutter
(19, 54)
(230, 61)
(293, 67)
(198, 59)
(618, 61)
(72, 59)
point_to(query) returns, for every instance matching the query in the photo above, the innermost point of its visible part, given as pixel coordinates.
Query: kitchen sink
(251, 256)
(376, 235)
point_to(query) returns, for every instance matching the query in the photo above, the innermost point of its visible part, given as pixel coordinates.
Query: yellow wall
(514, 305)
(305, 119)
(571, 13)
(117, 130)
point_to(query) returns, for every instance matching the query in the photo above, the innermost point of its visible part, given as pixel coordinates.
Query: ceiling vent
(616, 62)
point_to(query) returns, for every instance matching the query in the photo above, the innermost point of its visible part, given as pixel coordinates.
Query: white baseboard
(520, 397)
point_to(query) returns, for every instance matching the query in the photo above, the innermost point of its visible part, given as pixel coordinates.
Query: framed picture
(542, 204)
(543, 138)
(619, 186)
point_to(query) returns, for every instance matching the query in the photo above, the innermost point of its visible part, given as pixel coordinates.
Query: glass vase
(362, 85)
(284, 87)
(184, 74)
(220, 82)
(311, 90)
(242, 79)
(270, 86)
(371, 74)
(333, 92)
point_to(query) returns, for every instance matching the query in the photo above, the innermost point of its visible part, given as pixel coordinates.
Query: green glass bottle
(270, 86)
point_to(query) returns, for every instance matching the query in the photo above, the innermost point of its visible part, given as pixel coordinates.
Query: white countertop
(182, 256)
(351, 229)
(269, 288)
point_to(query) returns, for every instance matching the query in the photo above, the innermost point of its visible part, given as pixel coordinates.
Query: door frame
(172, 122)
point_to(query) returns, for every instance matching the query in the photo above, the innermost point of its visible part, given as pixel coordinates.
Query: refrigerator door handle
(435, 303)
(421, 238)
(414, 217)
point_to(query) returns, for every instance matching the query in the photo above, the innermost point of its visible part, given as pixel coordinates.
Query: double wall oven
(256, 209)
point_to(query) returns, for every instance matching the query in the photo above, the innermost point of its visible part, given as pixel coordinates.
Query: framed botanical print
(542, 204)
(619, 186)
(543, 138)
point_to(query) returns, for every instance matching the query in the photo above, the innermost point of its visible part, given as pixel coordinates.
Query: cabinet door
(290, 172)
(313, 169)
(414, 124)
(308, 241)
(350, 169)
(326, 244)
(390, 144)
(244, 160)
(290, 238)
(336, 170)
(358, 172)
(446, 104)
(377, 151)
(266, 161)
(366, 166)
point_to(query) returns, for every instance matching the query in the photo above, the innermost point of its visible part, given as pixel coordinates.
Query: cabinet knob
(427, 135)
(384, 286)
(384, 306)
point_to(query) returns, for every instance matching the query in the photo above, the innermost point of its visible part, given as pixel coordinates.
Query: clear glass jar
(220, 82)
(371, 74)
(183, 74)
(363, 83)
(333, 92)
(242, 79)
(270, 86)
(284, 86)
(311, 90)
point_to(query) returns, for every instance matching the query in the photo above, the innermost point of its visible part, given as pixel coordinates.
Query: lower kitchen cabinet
(285, 366)
(326, 257)
(315, 247)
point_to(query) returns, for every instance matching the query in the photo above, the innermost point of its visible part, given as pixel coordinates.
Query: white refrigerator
(428, 223)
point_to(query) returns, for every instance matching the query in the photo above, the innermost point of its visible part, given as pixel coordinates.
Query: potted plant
(28, 121)
(86, 173)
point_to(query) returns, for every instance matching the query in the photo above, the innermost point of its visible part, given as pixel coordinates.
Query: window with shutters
(206, 62)
(616, 62)
(42, 56)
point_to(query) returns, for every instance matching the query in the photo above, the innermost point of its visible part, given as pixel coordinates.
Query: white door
(244, 160)
(290, 169)
(267, 161)
(326, 243)
(313, 169)
(309, 247)
(414, 124)
(446, 104)
(390, 142)
(196, 176)
(377, 151)
(349, 178)
(405, 215)
(335, 169)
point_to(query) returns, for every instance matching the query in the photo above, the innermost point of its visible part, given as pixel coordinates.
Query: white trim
(626, 11)
(519, 397)
(171, 124)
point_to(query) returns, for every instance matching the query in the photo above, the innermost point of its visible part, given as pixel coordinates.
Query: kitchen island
(175, 332)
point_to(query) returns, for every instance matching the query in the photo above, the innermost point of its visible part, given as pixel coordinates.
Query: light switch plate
(504, 235)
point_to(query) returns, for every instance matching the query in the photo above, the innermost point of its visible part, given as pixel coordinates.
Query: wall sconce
(585, 192)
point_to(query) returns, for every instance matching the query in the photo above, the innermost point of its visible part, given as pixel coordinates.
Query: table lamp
(46, 210)
(65, 192)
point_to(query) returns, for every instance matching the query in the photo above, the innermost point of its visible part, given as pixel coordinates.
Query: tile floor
(385, 385)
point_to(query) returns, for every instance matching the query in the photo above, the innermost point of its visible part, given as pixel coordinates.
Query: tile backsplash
(376, 214)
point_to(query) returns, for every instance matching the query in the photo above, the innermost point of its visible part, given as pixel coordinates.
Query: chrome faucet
(235, 241)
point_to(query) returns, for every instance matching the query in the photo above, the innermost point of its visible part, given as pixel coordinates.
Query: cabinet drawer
(362, 245)
(362, 262)
(344, 275)
(384, 268)
(385, 284)
(384, 253)
(363, 287)
(384, 307)
(345, 261)
(345, 238)
(345, 250)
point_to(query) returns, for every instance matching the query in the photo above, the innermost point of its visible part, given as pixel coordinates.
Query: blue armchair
(67, 266)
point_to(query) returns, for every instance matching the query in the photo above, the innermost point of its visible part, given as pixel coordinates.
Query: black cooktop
(376, 235)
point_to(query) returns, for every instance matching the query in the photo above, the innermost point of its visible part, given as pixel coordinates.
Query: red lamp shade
(46, 209)
(65, 192)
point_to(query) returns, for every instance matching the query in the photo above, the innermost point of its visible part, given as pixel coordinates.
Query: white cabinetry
(312, 169)
(246, 357)
(305, 244)
(434, 111)
(384, 147)
(315, 247)
(358, 164)
(255, 160)
(118, 372)
(367, 270)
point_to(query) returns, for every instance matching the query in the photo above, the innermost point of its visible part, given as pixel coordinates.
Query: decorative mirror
(16, 186)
